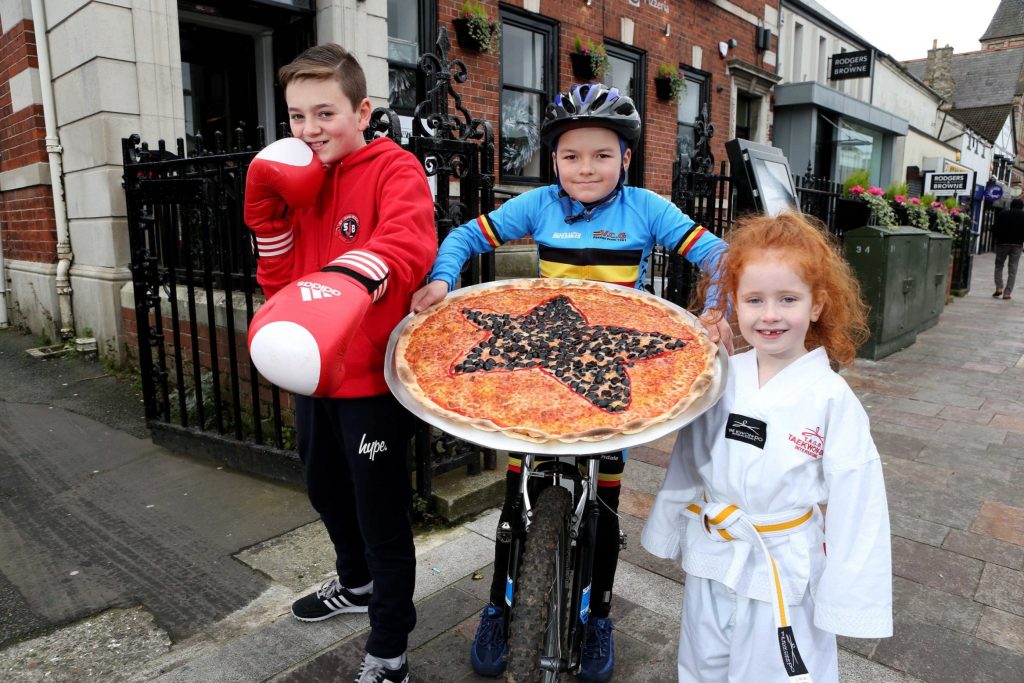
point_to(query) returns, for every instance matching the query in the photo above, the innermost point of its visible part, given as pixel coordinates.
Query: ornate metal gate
(193, 275)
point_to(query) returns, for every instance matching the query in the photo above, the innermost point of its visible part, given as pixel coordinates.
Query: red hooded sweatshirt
(376, 199)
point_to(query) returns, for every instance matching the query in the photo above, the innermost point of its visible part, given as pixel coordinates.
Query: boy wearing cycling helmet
(587, 226)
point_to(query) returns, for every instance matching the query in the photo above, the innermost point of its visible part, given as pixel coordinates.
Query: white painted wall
(805, 59)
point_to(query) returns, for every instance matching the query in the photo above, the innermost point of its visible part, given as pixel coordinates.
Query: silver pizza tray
(506, 442)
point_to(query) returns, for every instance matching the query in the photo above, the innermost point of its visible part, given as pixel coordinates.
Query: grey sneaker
(372, 670)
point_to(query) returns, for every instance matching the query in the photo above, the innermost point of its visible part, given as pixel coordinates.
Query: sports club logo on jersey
(566, 235)
(609, 235)
(810, 442)
(746, 429)
(316, 290)
(348, 227)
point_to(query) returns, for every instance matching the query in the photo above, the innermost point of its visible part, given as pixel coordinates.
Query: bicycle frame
(538, 472)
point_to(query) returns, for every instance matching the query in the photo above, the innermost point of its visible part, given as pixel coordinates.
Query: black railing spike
(218, 141)
(261, 137)
(283, 131)
(239, 138)
(180, 144)
(161, 145)
(200, 151)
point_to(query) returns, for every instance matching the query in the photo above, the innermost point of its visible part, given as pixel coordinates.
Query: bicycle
(551, 562)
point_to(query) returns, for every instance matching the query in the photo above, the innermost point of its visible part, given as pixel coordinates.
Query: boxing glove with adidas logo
(299, 337)
(285, 174)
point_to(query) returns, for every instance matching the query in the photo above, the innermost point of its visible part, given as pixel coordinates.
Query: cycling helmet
(591, 104)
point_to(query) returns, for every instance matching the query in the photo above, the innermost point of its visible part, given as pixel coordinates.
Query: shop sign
(993, 191)
(850, 65)
(656, 4)
(946, 184)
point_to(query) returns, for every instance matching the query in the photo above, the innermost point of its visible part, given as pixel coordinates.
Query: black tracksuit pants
(354, 456)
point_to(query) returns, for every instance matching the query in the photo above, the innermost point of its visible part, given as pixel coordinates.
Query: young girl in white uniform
(770, 580)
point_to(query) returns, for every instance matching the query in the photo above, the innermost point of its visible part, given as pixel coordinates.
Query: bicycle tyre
(536, 610)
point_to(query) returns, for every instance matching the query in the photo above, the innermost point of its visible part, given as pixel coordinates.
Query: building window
(859, 147)
(747, 112)
(409, 36)
(626, 71)
(690, 104)
(797, 68)
(528, 78)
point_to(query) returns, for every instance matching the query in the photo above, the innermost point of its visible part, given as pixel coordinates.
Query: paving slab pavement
(947, 417)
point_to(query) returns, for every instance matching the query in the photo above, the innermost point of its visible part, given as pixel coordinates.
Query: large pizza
(551, 360)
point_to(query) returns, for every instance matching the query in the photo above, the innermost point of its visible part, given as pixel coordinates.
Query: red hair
(817, 258)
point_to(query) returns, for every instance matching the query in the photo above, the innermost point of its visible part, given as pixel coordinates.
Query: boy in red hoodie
(373, 220)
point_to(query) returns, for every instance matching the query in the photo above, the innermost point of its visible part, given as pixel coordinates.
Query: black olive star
(591, 360)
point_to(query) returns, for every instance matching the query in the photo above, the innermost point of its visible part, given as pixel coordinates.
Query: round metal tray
(506, 442)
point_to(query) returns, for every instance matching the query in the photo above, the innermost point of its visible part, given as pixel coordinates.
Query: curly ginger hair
(817, 258)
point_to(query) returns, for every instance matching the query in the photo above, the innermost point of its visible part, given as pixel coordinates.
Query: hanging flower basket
(581, 68)
(669, 84)
(588, 61)
(663, 87)
(474, 29)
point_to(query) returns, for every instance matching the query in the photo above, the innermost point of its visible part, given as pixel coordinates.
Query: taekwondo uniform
(740, 504)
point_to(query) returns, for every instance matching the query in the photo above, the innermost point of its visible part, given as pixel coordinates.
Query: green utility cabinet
(892, 266)
(940, 252)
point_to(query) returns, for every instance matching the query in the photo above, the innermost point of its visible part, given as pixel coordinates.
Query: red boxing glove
(298, 339)
(284, 174)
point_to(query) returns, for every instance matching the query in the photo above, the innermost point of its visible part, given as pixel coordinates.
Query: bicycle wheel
(539, 621)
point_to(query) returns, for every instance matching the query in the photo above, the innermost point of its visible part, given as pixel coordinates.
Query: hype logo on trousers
(372, 448)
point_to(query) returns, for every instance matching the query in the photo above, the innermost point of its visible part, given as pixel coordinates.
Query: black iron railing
(193, 274)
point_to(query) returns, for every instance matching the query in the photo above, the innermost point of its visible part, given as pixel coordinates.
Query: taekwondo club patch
(746, 429)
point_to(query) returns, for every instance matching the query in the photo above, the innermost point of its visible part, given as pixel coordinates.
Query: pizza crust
(406, 372)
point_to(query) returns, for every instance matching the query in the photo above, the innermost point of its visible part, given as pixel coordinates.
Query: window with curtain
(527, 81)
(690, 103)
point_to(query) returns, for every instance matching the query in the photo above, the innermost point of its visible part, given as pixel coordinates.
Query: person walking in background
(1008, 234)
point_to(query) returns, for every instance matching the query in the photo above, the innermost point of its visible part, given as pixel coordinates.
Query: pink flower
(877, 191)
(955, 212)
(915, 200)
(856, 190)
(936, 205)
(900, 199)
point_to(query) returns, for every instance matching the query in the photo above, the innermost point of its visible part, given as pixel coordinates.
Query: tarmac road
(94, 516)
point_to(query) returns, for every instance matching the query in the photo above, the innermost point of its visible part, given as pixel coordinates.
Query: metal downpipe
(55, 153)
(4, 323)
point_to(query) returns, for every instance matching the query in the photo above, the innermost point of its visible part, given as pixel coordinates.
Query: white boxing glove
(298, 339)
(284, 174)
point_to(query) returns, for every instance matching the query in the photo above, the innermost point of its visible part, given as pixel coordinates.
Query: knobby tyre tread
(530, 616)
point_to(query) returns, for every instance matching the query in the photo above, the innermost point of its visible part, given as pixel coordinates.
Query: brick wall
(26, 213)
(701, 24)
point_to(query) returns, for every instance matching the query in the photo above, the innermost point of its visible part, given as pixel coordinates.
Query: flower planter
(663, 87)
(901, 214)
(582, 67)
(850, 214)
(466, 39)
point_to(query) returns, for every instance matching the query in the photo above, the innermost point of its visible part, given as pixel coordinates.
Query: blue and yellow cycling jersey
(610, 242)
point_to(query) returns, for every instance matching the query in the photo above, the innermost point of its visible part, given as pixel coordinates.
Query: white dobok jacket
(777, 452)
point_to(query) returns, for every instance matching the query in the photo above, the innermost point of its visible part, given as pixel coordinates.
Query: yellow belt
(724, 522)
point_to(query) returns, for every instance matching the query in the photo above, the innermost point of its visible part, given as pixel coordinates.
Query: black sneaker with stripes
(330, 600)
